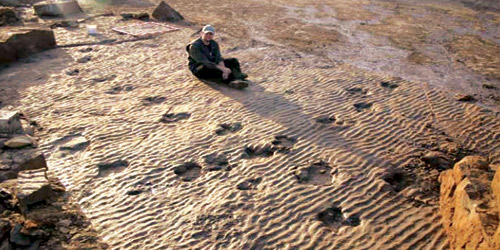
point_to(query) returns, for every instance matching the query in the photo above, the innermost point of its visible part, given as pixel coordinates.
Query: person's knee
(231, 62)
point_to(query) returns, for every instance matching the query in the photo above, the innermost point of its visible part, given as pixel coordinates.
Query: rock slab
(57, 8)
(469, 204)
(166, 13)
(33, 187)
(23, 42)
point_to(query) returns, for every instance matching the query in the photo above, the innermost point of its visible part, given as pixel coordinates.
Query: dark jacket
(200, 54)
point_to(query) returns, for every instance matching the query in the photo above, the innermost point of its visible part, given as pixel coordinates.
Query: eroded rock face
(469, 204)
(23, 42)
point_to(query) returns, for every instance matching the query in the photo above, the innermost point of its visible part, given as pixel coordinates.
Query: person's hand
(225, 73)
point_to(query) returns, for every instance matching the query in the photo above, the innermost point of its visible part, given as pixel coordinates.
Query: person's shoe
(238, 84)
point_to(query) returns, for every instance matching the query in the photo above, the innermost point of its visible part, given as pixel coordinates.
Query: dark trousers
(209, 71)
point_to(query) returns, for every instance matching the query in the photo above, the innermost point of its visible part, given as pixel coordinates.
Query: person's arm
(220, 61)
(225, 71)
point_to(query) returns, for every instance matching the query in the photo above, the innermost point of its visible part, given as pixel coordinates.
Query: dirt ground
(327, 148)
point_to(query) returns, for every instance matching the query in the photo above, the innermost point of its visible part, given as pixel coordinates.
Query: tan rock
(20, 141)
(57, 8)
(22, 42)
(468, 207)
(166, 13)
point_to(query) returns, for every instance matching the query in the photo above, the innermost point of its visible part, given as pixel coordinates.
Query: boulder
(57, 8)
(166, 13)
(10, 122)
(468, 205)
(36, 162)
(7, 16)
(19, 142)
(22, 42)
(33, 187)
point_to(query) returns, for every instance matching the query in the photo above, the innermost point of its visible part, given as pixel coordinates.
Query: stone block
(57, 8)
(10, 122)
(37, 162)
(166, 13)
(22, 42)
(33, 187)
(20, 142)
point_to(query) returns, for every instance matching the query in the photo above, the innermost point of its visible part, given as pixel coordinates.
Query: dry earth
(327, 148)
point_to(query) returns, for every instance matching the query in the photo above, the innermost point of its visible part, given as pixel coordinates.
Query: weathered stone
(19, 142)
(17, 237)
(58, 8)
(22, 42)
(33, 187)
(10, 122)
(36, 162)
(469, 214)
(166, 13)
(7, 16)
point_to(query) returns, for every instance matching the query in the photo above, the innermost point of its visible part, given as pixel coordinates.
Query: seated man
(206, 62)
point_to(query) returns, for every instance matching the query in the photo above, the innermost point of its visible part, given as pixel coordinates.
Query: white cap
(208, 28)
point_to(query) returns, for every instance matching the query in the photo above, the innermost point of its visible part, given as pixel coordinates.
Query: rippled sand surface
(160, 160)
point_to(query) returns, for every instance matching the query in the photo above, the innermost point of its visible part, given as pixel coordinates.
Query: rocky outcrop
(22, 42)
(166, 13)
(469, 204)
(35, 211)
(57, 8)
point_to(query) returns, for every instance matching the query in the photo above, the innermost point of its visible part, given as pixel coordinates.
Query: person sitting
(206, 62)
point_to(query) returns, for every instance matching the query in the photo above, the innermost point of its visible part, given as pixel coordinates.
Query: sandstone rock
(7, 16)
(33, 187)
(57, 8)
(469, 213)
(20, 141)
(36, 162)
(10, 122)
(22, 42)
(166, 13)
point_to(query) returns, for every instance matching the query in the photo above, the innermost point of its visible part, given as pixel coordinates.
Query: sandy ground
(324, 150)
